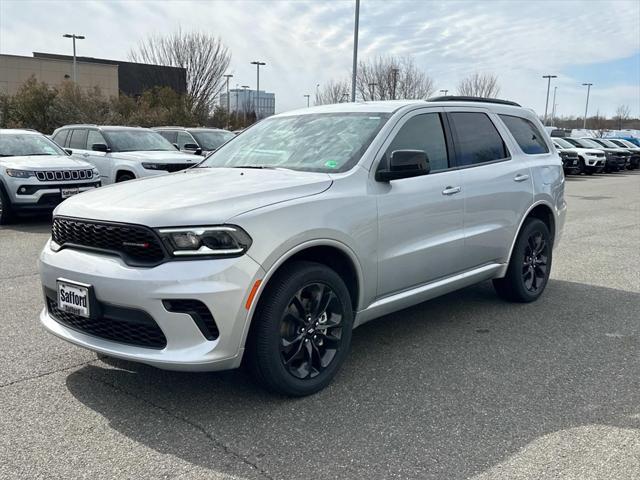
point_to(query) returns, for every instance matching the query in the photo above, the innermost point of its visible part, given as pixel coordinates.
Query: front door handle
(451, 190)
(521, 177)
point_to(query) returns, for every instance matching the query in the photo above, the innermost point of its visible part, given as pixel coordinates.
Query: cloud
(310, 42)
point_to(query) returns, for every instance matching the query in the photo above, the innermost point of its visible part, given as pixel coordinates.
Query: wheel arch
(122, 170)
(332, 253)
(542, 210)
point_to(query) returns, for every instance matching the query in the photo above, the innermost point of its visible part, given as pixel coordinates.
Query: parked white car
(123, 153)
(36, 174)
(590, 160)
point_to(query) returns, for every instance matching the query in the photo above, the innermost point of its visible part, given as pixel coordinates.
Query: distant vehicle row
(595, 155)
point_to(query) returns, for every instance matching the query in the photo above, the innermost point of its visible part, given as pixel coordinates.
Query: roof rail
(459, 98)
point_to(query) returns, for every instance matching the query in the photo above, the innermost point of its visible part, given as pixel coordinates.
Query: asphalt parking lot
(464, 386)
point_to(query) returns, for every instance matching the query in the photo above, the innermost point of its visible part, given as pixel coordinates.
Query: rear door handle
(451, 190)
(521, 177)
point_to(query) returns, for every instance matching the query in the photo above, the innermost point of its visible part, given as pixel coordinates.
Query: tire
(289, 350)
(527, 274)
(582, 168)
(124, 177)
(6, 212)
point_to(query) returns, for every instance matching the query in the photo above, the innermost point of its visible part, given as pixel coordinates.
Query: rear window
(477, 140)
(526, 134)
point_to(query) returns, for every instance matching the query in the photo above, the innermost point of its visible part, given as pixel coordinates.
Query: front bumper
(594, 162)
(26, 195)
(222, 285)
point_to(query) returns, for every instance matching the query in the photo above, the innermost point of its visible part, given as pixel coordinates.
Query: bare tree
(388, 78)
(204, 57)
(479, 85)
(334, 91)
(623, 112)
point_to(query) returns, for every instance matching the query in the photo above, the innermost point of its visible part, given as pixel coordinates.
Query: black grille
(136, 244)
(57, 175)
(121, 325)
(198, 311)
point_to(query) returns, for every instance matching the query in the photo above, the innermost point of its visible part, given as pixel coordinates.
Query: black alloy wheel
(534, 267)
(301, 331)
(310, 331)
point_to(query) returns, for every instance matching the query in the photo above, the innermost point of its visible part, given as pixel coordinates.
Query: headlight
(222, 240)
(154, 166)
(20, 173)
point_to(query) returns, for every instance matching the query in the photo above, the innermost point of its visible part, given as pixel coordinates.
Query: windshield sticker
(331, 164)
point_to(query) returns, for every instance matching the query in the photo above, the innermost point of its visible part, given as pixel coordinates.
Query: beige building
(15, 70)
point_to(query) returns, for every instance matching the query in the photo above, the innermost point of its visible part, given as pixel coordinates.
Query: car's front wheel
(301, 332)
(530, 264)
(5, 208)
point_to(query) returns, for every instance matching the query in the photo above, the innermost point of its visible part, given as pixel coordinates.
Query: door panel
(421, 232)
(420, 219)
(497, 184)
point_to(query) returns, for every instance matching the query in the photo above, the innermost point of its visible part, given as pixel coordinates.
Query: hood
(201, 196)
(43, 162)
(588, 151)
(159, 157)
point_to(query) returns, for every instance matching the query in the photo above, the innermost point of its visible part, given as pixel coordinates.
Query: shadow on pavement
(446, 389)
(30, 224)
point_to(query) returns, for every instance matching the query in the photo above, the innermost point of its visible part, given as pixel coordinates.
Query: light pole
(74, 37)
(444, 92)
(586, 107)
(395, 71)
(307, 96)
(553, 106)
(546, 105)
(236, 109)
(244, 104)
(257, 63)
(228, 76)
(355, 52)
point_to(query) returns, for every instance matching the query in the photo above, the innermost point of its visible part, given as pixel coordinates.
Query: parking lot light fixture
(586, 107)
(257, 63)
(546, 105)
(74, 37)
(553, 105)
(444, 92)
(354, 72)
(307, 96)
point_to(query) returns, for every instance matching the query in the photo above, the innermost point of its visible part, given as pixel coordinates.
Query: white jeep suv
(123, 153)
(307, 225)
(36, 174)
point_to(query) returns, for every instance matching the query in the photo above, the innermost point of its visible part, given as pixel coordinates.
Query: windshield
(585, 143)
(563, 143)
(211, 139)
(137, 140)
(326, 142)
(608, 143)
(23, 144)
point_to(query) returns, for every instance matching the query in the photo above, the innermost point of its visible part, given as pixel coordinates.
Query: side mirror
(176, 145)
(405, 164)
(69, 151)
(190, 146)
(100, 147)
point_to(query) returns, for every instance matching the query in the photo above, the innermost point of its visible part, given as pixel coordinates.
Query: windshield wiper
(259, 167)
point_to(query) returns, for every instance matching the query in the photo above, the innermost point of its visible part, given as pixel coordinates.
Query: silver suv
(36, 174)
(123, 153)
(307, 225)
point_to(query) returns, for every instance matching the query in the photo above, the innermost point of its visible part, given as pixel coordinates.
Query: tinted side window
(172, 136)
(478, 141)
(78, 139)
(423, 132)
(526, 134)
(61, 137)
(94, 136)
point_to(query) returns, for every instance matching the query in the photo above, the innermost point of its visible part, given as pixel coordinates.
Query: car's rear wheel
(6, 211)
(530, 264)
(301, 332)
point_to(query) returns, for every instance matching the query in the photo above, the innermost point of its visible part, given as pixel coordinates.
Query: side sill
(425, 292)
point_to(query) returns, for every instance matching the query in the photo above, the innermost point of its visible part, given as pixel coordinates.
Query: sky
(309, 42)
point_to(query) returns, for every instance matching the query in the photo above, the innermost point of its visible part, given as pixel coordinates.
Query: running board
(422, 293)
